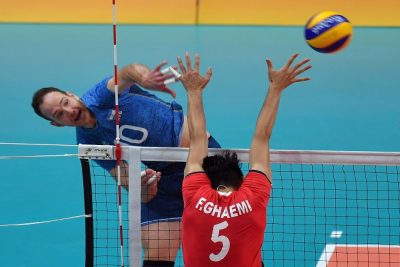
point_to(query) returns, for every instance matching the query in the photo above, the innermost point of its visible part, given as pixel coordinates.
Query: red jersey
(224, 229)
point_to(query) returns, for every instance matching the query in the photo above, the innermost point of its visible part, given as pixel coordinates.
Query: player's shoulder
(256, 173)
(196, 175)
(98, 94)
(102, 84)
(97, 87)
(258, 176)
(196, 179)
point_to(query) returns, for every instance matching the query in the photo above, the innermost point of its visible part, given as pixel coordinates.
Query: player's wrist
(275, 90)
(195, 92)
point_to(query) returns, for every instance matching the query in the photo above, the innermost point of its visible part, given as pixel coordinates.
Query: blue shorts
(167, 205)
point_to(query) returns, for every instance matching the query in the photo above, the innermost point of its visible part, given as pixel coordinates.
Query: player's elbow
(198, 136)
(199, 144)
(132, 73)
(261, 137)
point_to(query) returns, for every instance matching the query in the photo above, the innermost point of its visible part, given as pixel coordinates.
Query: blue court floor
(351, 103)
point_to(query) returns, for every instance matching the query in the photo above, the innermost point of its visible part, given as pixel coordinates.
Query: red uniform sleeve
(258, 184)
(193, 182)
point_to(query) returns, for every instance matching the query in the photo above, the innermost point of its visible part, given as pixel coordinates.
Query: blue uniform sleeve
(99, 95)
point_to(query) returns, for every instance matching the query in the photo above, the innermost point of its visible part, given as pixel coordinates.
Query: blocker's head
(223, 169)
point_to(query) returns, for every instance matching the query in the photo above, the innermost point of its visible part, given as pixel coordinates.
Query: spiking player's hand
(154, 80)
(149, 182)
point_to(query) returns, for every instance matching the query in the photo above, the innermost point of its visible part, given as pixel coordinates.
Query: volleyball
(328, 32)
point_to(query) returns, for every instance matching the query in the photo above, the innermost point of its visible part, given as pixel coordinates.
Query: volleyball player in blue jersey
(145, 120)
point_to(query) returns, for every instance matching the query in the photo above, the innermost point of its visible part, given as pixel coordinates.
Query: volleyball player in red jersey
(224, 215)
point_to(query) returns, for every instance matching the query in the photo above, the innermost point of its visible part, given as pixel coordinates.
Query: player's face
(66, 110)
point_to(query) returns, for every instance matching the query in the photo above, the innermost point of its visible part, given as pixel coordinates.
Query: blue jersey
(145, 120)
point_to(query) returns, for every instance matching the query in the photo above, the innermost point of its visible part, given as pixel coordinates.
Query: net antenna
(118, 151)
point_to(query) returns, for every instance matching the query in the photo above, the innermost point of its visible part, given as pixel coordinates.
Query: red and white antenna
(118, 151)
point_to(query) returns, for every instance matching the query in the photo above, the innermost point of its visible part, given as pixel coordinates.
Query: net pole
(118, 150)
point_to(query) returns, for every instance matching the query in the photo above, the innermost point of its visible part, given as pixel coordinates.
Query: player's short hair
(223, 169)
(37, 99)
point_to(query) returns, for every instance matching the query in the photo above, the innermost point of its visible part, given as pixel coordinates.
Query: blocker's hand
(288, 74)
(191, 78)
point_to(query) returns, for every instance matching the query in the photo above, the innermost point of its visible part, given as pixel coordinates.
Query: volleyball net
(327, 208)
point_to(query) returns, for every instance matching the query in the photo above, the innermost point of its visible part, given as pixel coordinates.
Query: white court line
(330, 248)
(336, 234)
(326, 255)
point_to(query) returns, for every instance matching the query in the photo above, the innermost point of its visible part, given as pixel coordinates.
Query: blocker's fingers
(181, 66)
(300, 80)
(269, 64)
(208, 74)
(197, 62)
(292, 58)
(301, 63)
(300, 71)
(188, 62)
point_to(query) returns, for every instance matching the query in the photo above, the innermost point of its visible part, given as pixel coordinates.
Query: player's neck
(91, 122)
(225, 189)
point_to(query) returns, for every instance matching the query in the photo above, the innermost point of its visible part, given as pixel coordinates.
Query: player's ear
(56, 124)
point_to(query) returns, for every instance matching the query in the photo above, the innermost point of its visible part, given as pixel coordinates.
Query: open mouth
(78, 116)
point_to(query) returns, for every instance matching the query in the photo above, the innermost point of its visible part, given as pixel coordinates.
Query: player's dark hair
(37, 99)
(223, 169)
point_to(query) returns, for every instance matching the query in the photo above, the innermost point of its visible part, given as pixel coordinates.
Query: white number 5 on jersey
(215, 237)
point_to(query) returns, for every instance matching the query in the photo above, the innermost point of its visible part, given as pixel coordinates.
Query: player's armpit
(193, 167)
(262, 168)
